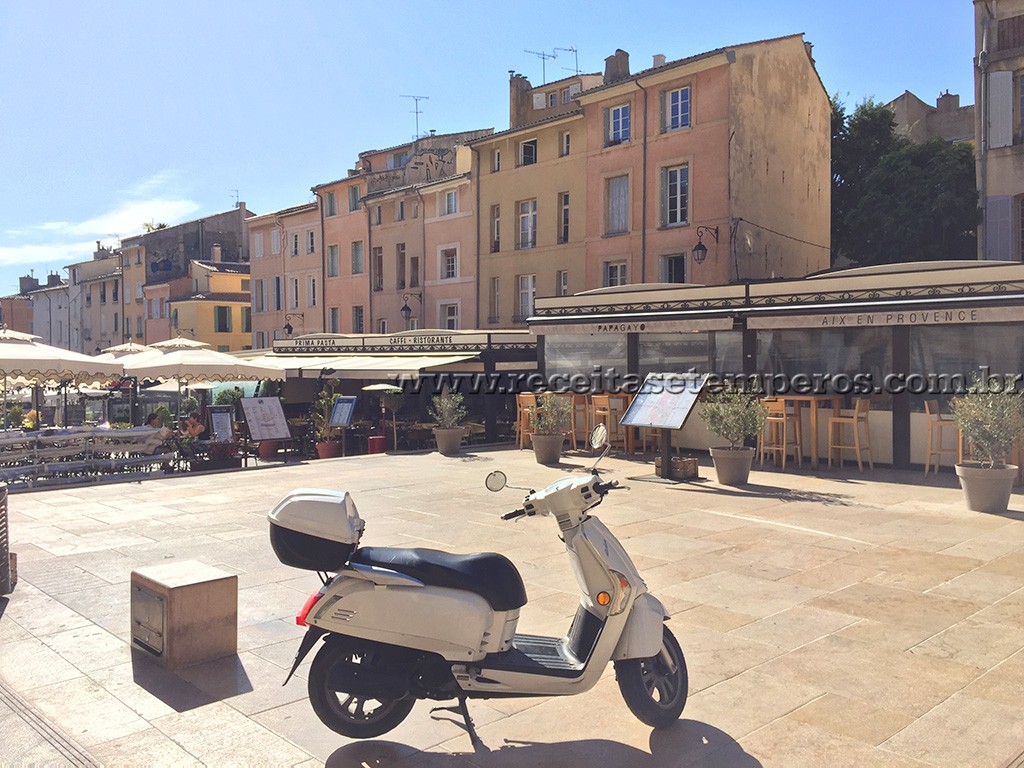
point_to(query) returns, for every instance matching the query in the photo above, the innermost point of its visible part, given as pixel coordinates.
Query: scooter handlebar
(603, 488)
(515, 513)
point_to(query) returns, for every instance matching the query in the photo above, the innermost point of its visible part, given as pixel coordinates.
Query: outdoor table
(835, 401)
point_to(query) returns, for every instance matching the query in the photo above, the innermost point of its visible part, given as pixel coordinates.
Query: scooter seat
(490, 575)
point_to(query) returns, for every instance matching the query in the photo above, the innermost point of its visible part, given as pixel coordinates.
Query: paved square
(832, 619)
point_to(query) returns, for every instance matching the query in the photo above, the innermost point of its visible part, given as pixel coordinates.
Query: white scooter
(408, 624)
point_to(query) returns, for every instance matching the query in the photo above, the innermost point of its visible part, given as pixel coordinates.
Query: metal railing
(7, 579)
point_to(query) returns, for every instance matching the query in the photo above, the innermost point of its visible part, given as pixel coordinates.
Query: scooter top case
(315, 529)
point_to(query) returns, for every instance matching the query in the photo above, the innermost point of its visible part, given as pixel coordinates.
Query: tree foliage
(894, 201)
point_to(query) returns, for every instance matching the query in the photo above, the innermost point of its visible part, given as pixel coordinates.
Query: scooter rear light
(301, 618)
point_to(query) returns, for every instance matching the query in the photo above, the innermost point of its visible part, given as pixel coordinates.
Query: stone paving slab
(832, 618)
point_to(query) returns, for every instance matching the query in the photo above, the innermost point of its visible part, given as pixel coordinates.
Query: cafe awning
(359, 366)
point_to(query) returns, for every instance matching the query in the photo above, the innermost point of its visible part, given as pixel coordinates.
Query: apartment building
(287, 271)
(51, 317)
(94, 301)
(999, 126)
(212, 305)
(532, 191)
(405, 214)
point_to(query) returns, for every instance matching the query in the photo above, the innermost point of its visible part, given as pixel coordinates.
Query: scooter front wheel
(355, 716)
(655, 689)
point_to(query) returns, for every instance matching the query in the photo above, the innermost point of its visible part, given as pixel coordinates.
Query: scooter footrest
(536, 654)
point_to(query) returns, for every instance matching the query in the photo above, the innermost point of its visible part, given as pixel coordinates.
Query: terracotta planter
(449, 441)
(547, 448)
(267, 449)
(732, 465)
(328, 450)
(986, 490)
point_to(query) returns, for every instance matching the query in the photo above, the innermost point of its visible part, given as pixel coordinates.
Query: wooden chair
(837, 434)
(937, 424)
(526, 402)
(607, 410)
(581, 413)
(774, 438)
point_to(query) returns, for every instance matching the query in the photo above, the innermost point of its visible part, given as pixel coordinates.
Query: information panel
(222, 423)
(665, 400)
(265, 418)
(341, 412)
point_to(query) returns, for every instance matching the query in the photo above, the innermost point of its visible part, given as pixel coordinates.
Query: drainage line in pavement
(74, 754)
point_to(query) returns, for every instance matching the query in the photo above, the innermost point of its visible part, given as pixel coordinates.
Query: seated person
(155, 422)
(192, 427)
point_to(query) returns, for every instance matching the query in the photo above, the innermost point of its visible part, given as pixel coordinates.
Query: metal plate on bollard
(149, 611)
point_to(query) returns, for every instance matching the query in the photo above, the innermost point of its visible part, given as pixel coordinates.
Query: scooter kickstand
(463, 710)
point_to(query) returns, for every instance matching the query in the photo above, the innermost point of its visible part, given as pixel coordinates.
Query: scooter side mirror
(495, 481)
(598, 436)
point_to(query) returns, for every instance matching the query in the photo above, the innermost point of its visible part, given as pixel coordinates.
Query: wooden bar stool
(526, 402)
(774, 438)
(837, 434)
(937, 424)
(581, 413)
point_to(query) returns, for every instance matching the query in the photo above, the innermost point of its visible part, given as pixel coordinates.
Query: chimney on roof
(659, 60)
(616, 67)
(520, 103)
(215, 253)
(27, 283)
(809, 49)
(948, 102)
(52, 279)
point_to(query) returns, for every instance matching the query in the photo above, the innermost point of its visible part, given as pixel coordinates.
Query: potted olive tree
(448, 411)
(551, 421)
(736, 416)
(991, 417)
(320, 418)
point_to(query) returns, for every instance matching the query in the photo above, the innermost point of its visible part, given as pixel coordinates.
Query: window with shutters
(615, 273)
(675, 109)
(675, 189)
(527, 224)
(353, 198)
(332, 261)
(357, 319)
(617, 214)
(1010, 33)
(222, 319)
(330, 204)
(618, 125)
(528, 152)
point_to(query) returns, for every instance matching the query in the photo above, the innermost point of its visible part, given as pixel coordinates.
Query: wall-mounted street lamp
(287, 321)
(700, 251)
(406, 310)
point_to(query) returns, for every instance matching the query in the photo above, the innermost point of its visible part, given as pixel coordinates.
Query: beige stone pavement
(831, 619)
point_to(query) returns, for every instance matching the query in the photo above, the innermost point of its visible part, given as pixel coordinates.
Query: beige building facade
(947, 120)
(287, 271)
(999, 126)
(94, 299)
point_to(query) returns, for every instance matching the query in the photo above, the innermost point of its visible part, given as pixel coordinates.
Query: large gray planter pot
(449, 441)
(547, 448)
(986, 490)
(732, 466)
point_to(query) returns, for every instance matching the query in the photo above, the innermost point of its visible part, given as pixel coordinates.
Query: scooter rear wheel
(358, 717)
(654, 692)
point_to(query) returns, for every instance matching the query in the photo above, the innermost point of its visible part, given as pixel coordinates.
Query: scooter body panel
(456, 624)
(641, 637)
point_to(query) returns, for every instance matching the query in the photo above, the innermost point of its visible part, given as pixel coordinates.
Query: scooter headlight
(622, 592)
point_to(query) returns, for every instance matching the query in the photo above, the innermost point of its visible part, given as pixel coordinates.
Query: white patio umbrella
(193, 363)
(23, 355)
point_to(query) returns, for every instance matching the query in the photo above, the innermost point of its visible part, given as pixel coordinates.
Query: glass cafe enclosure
(910, 332)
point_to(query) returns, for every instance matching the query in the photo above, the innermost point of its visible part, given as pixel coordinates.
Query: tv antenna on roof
(416, 110)
(234, 193)
(543, 61)
(571, 49)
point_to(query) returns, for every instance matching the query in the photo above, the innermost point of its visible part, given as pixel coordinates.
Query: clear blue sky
(114, 113)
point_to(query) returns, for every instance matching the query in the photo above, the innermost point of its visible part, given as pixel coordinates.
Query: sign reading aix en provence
(434, 340)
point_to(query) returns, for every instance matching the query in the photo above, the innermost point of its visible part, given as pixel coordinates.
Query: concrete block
(184, 613)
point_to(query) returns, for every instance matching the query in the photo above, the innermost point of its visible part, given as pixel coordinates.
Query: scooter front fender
(641, 637)
(308, 641)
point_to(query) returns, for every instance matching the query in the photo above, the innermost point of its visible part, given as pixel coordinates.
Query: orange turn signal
(603, 598)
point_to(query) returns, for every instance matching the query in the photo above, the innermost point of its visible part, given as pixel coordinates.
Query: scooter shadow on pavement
(687, 743)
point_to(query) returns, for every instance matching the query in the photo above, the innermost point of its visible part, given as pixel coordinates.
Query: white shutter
(574, 90)
(540, 101)
(999, 228)
(1000, 109)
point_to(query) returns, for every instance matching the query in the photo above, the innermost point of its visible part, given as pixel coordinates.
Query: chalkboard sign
(665, 400)
(265, 418)
(342, 410)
